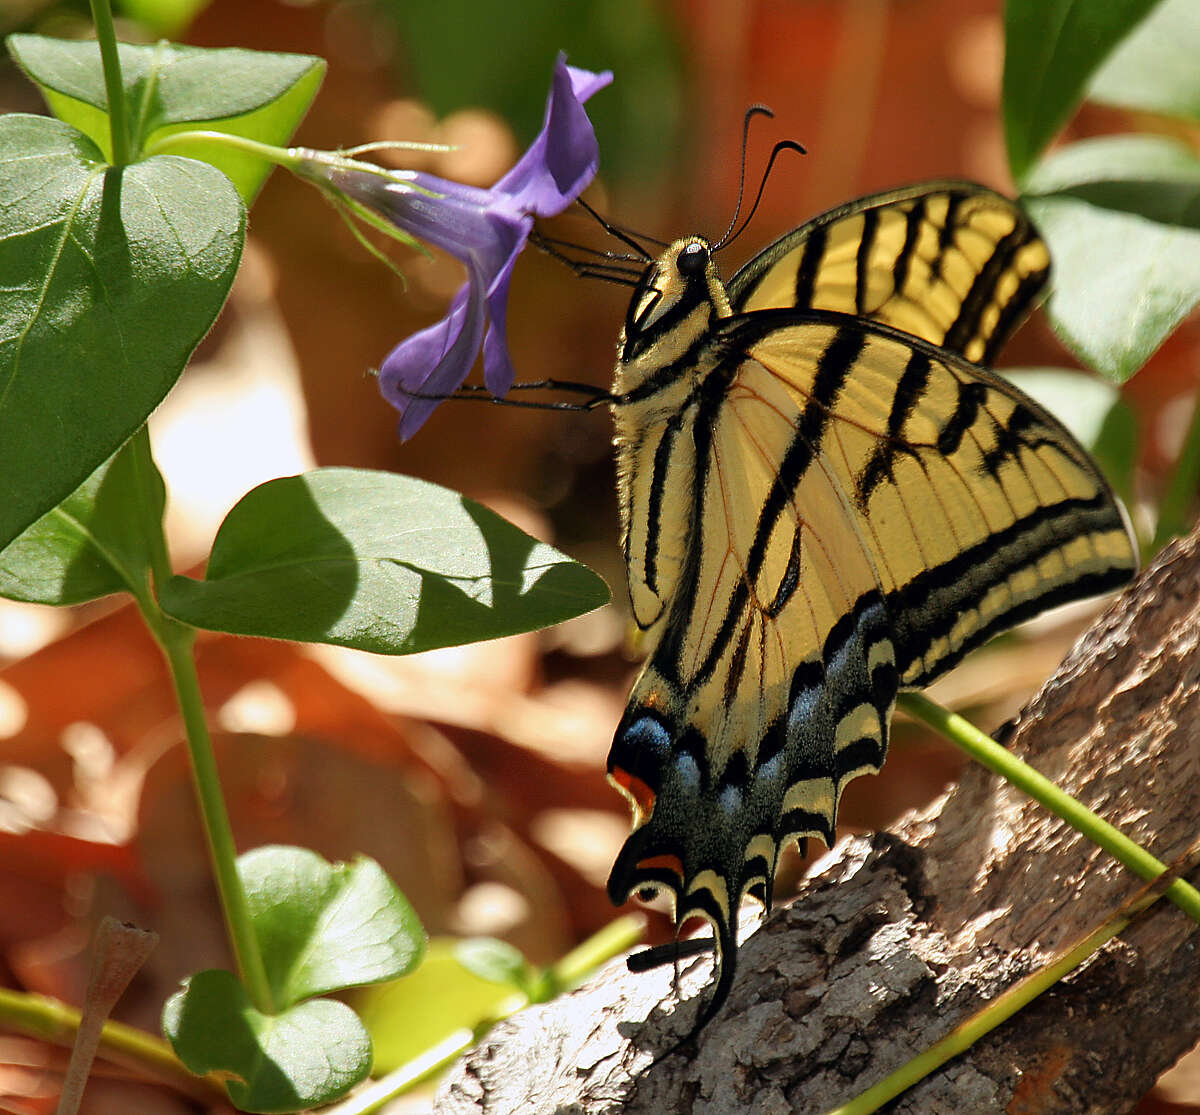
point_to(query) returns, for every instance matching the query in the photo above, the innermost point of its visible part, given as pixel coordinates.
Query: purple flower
(486, 229)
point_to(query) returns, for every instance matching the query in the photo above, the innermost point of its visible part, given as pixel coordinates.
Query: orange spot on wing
(641, 794)
(655, 863)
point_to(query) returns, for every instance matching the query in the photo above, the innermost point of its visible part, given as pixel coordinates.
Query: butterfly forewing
(951, 263)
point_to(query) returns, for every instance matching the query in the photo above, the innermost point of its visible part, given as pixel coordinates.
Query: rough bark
(898, 938)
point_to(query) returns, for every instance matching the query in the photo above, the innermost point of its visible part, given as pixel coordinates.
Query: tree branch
(898, 938)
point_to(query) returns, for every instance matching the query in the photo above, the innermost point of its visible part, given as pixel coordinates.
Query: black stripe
(658, 484)
(833, 367)
(737, 665)
(966, 409)
(789, 582)
(796, 821)
(864, 752)
(1009, 438)
(913, 222)
(909, 389)
(1012, 313)
(810, 262)
(710, 393)
(966, 324)
(948, 229)
(927, 607)
(735, 774)
(862, 262)
(737, 605)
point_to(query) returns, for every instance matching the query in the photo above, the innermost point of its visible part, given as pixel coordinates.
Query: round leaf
(301, 1058)
(379, 562)
(322, 926)
(112, 277)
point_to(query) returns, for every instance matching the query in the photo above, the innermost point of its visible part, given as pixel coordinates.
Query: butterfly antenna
(612, 230)
(776, 151)
(753, 111)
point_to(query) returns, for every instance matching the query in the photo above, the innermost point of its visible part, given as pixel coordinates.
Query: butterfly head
(676, 298)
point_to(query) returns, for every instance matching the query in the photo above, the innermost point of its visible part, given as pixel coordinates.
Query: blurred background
(475, 776)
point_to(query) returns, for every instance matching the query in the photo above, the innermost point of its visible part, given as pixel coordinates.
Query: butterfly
(825, 497)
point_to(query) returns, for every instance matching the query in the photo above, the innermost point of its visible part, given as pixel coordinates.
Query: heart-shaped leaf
(112, 276)
(94, 542)
(379, 562)
(323, 927)
(300, 1058)
(1122, 218)
(171, 88)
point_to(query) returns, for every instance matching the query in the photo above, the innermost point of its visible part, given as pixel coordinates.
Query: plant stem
(987, 751)
(1184, 484)
(52, 1021)
(114, 87)
(176, 641)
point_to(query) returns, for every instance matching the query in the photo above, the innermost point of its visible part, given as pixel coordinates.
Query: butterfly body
(824, 500)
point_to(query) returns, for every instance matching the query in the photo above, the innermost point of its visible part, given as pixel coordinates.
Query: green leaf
(1156, 69)
(1093, 410)
(379, 562)
(409, 1016)
(171, 88)
(323, 927)
(1122, 218)
(94, 542)
(301, 1058)
(1051, 49)
(112, 277)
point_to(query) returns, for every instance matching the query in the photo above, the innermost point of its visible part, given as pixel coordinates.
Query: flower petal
(436, 360)
(563, 159)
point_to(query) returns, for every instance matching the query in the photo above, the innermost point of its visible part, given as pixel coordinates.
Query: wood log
(897, 938)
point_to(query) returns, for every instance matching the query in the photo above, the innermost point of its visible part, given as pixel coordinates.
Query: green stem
(176, 641)
(1173, 512)
(114, 87)
(987, 751)
(52, 1021)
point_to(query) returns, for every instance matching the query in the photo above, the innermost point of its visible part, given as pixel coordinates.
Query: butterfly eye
(692, 260)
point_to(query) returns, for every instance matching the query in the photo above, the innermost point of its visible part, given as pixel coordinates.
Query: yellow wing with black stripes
(823, 500)
(950, 262)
